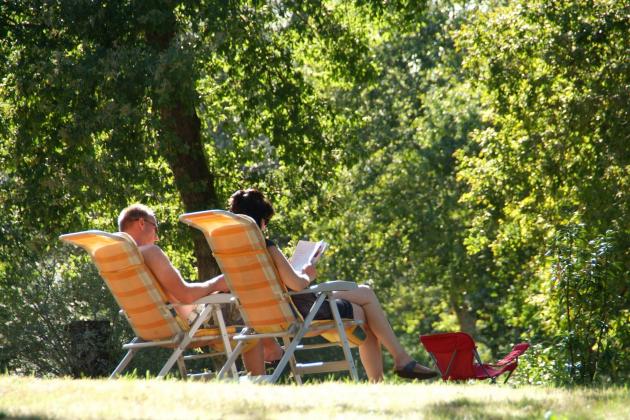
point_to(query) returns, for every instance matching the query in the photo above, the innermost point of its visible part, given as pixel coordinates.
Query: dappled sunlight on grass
(472, 408)
(134, 399)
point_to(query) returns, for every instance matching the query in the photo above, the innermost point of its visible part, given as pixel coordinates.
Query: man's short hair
(133, 213)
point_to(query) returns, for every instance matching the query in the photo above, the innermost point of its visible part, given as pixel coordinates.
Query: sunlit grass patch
(139, 399)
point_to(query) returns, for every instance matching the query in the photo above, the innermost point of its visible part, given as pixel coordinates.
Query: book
(307, 252)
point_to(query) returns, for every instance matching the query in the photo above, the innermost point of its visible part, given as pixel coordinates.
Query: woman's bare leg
(377, 322)
(370, 349)
(254, 360)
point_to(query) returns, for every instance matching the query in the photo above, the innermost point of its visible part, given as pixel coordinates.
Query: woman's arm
(292, 279)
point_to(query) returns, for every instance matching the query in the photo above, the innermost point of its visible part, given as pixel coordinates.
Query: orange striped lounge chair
(265, 305)
(144, 304)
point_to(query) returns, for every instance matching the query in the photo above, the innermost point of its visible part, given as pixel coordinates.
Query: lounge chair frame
(296, 329)
(182, 336)
(293, 336)
(186, 340)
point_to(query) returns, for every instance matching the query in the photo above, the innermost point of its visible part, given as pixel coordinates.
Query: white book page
(307, 252)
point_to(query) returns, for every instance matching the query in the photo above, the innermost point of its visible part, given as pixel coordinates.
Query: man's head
(140, 223)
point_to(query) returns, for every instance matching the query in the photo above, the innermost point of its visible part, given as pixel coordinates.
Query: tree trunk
(183, 150)
(465, 317)
(181, 146)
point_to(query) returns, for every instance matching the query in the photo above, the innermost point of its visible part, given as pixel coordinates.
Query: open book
(307, 252)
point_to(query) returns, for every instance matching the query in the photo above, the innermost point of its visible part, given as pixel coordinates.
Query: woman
(360, 304)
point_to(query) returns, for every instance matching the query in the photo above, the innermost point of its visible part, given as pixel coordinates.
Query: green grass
(22, 397)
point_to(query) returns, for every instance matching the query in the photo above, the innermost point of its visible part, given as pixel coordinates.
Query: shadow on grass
(4, 415)
(471, 409)
(605, 397)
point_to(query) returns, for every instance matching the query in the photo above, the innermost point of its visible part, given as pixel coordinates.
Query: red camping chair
(453, 355)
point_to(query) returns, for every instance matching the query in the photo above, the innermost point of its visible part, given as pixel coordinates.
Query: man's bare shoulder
(152, 252)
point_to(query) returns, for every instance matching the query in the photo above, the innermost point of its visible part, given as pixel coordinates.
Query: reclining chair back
(134, 287)
(265, 304)
(453, 354)
(241, 252)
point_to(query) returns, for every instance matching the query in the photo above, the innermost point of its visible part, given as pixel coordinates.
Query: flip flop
(408, 372)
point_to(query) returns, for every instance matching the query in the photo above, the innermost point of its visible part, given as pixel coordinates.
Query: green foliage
(588, 306)
(554, 156)
(101, 105)
(468, 161)
(393, 218)
(39, 302)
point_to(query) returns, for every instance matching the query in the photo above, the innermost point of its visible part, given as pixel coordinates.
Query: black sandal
(408, 372)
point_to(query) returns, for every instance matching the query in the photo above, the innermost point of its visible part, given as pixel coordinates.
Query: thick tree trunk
(181, 145)
(186, 157)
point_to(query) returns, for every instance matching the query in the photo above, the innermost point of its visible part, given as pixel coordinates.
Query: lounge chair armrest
(215, 298)
(333, 286)
(329, 286)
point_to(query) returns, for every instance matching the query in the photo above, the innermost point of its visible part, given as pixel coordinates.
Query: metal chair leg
(182, 367)
(344, 339)
(292, 363)
(125, 361)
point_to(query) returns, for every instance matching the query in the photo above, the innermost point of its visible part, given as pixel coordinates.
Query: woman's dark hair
(252, 203)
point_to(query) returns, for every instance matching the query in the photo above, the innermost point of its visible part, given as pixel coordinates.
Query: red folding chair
(453, 355)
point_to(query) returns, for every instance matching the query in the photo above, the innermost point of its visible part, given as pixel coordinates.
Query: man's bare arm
(171, 280)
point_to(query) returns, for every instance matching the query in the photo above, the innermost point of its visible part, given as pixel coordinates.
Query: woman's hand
(294, 280)
(310, 271)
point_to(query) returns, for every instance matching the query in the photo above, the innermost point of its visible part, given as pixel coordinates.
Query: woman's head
(252, 203)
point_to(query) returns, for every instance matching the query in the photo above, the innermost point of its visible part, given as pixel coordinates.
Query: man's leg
(254, 360)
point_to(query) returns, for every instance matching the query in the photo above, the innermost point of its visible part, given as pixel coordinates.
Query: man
(139, 222)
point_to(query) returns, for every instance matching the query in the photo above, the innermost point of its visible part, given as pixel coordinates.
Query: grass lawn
(172, 399)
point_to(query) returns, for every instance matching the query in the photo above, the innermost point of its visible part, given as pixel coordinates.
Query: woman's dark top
(305, 302)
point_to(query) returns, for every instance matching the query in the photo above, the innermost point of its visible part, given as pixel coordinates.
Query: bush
(590, 310)
(46, 304)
